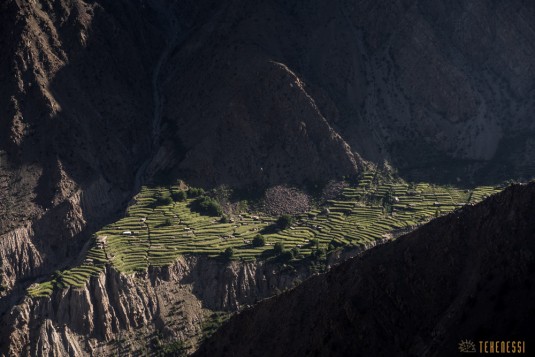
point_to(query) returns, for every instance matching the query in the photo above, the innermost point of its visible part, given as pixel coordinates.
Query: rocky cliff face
(116, 312)
(69, 147)
(465, 276)
(171, 302)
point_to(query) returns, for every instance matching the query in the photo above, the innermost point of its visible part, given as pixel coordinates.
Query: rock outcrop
(89, 98)
(114, 311)
(171, 302)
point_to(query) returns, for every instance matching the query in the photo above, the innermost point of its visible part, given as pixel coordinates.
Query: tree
(163, 198)
(278, 248)
(195, 192)
(287, 255)
(319, 253)
(331, 247)
(209, 206)
(228, 253)
(167, 222)
(388, 201)
(314, 242)
(333, 244)
(259, 240)
(179, 196)
(295, 252)
(285, 221)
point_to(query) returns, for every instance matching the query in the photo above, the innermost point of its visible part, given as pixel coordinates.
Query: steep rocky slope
(98, 97)
(72, 102)
(118, 313)
(422, 84)
(466, 276)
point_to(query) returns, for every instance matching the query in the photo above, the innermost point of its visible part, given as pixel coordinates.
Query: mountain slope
(421, 84)
(467, 276)
(73, 98)
(85, 96)
(99, 97)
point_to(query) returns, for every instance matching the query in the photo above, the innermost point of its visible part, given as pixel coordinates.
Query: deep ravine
(171, 33)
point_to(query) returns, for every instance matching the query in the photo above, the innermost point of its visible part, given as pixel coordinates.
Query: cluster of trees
(203, 203)
(181, 195)
(279, 250)
(164, 198)
(286, 254)
(195, 192)
(207, 205)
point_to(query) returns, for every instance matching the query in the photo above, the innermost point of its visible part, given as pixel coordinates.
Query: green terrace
(156, 232)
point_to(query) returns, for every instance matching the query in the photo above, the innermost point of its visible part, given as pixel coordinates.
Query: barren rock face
(260, 126)
(169, 301)
(285, 200)
(419, 84)
(111, 94)
(72, 101)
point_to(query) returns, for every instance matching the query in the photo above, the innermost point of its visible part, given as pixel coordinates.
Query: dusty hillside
(134, 314)
(466, 276)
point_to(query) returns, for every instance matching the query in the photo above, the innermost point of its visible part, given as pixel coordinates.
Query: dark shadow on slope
(465, 276)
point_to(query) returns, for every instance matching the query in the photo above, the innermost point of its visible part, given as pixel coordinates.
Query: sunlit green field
(152, 235)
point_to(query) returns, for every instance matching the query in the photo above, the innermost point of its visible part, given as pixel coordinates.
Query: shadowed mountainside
(99, 97)
(466, 276)
(439, 89)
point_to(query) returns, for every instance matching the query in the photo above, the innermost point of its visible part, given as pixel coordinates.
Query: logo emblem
(467, 346)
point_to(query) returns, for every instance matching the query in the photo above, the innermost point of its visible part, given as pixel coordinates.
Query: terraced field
(155, 235)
